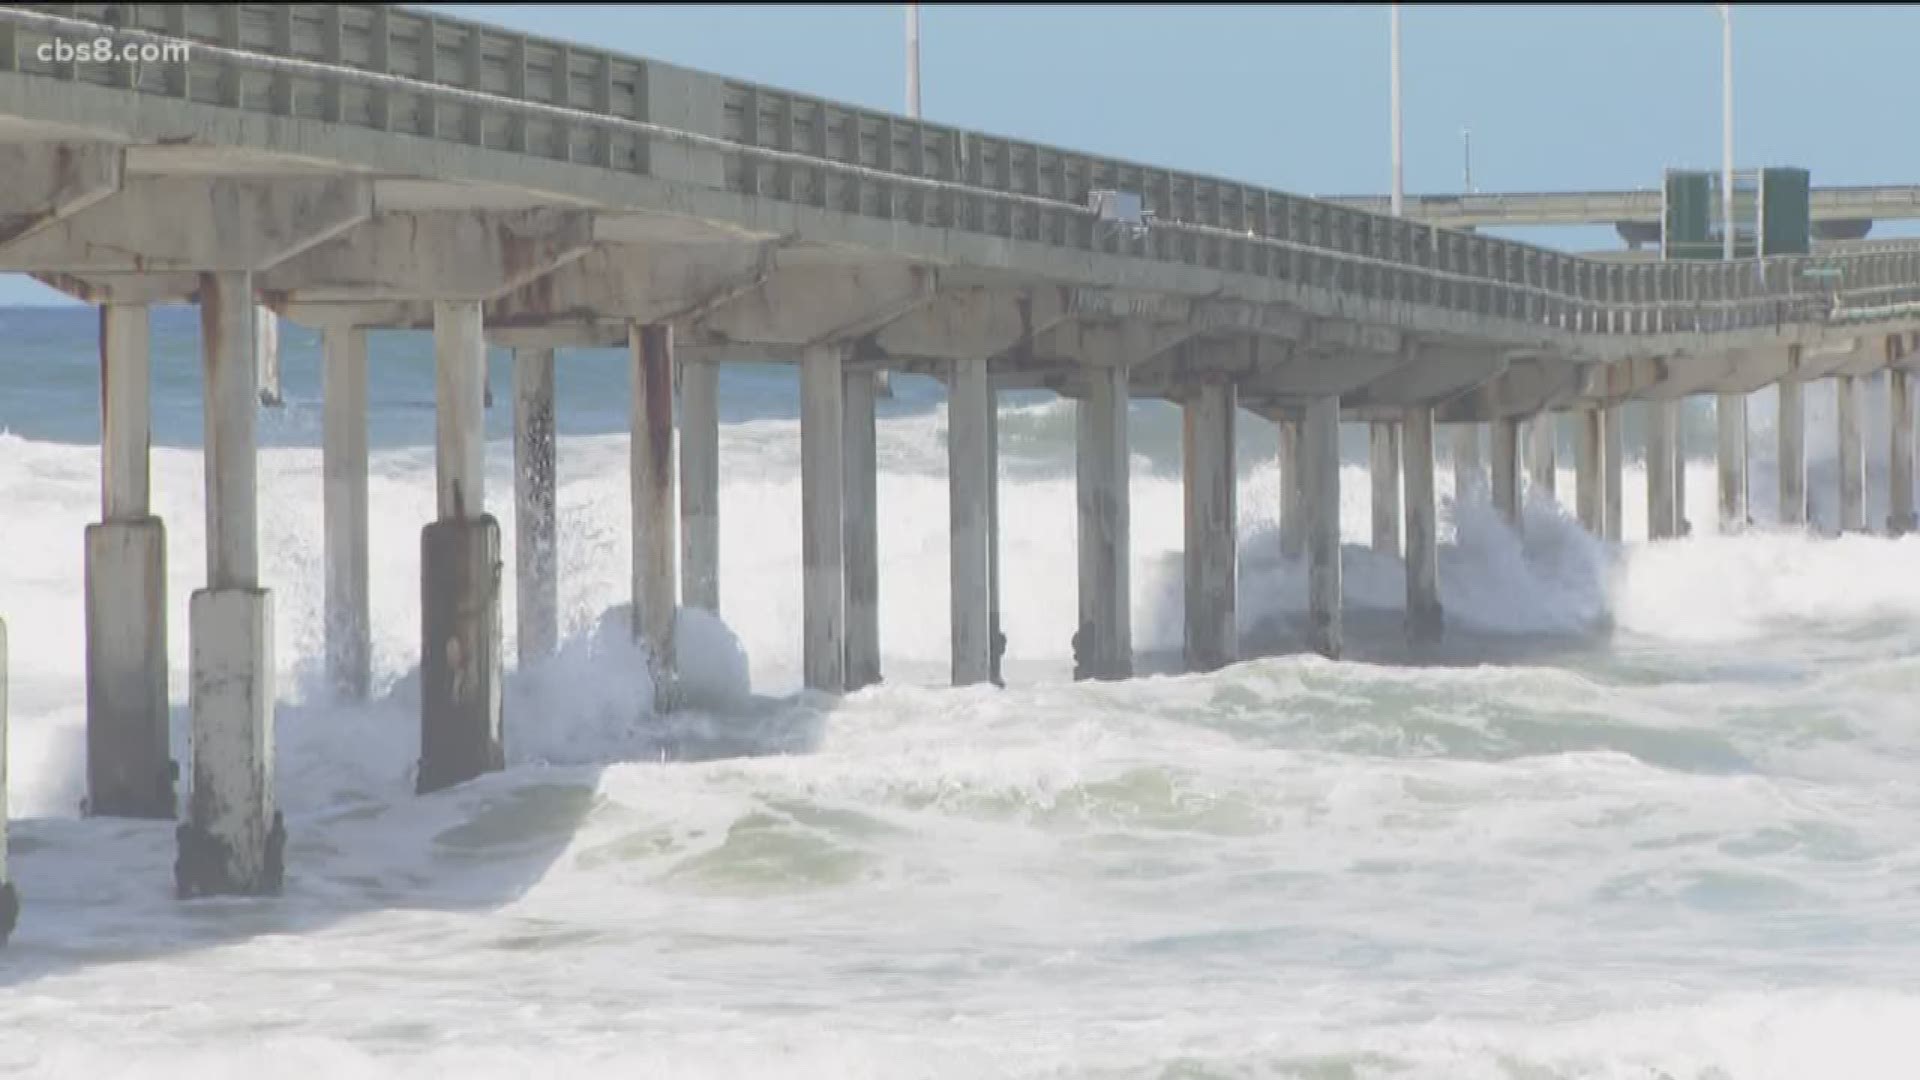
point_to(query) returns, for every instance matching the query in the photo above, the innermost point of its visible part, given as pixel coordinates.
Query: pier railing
(419, 74)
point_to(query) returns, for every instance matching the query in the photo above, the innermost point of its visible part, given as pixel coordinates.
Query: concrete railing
(393, 69)
(1596, 207)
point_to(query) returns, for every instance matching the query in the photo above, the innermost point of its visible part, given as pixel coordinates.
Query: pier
(360, 167)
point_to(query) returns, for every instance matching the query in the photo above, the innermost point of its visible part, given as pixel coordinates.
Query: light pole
(913, 61)
(1466, 162)
(1726, 124)
(1399, 190)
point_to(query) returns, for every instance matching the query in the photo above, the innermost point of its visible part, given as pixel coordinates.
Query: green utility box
(1772, 214)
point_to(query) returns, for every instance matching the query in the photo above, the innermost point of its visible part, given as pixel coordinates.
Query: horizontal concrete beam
(170, 223)
(644, 283)
(1527, 385)
(49, 182)
(434, 255)
(1426, 374)
(805, 304)
(972, 323)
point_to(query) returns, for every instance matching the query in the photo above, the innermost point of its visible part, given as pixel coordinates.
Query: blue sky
(1295, 97)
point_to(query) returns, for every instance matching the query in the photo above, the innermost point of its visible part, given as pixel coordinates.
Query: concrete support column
(1423, 534)
(1469, 475)
(860, 488)
(129, 770)
(1542, 452)
(233, 841)
(822, 522)
(1506, 469)
(1589, 489)
(1103, 647)
(9, 896)
(997, 637)
(536, 575)
(1384, 467)
(1900, 464)
(1730, 422)
(1681, 526)
(651, 475)
(1320, 453)
(1662, 522)
(1207, 434)
(700, 484)
(1293, 532)
(1613, 438)
(1853, 481)
(1792, 430)
(267, 349)
(343, 388)
(969, 402)
(460, 724)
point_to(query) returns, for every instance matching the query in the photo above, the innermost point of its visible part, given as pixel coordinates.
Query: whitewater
(1650, 814)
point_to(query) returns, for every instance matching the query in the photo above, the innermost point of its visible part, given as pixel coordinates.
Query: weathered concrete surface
(231, 399)
(700, 484)
(822, 524)
(1103, 646)
(130, 770)
(1900, 463)
(1542, 453)
(460, 376)
(433, 255)
(50, 181)
(536, 565)
(1293, 522)
(969, 402)
(266, 335)
(343, 382)
(460, 723)
(1589, 480)
(157, 224)
(1320, 453)
(125, 424)
(233, 841)
(1730, 421)
(1506, 469)
(9, 895)
(1423, 536)
(655, 543)
(1852, 457)
(1212, 523)
(1383, 446)
(1790, 427)
(1613, 463)
(860, 490)
(1663, 522)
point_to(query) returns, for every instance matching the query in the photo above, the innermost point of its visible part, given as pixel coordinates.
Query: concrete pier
(1900, 463)
(996, 636)
(969, 403)
(1663, 521)
(1613, 463)
(651, 474)
(1207, 434)
(1293, 531)
(1589, 480)
(1542, 453)
(1791, 429)
(536, 577)
(1469, 473)
(700, 484)
(1730, 423)
(822, 521)
(1852, 456)
(129, 767)
(1320, 454)
(233, 841)
(1423, 535)
(9, 896)
(460, 723)
(1506, 469)
(1104, 643)
(1383, 444)
(343, 389)
(860, 478)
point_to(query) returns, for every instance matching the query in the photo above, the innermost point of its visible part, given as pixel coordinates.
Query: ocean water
(1653, 813)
